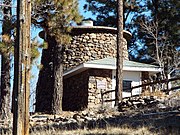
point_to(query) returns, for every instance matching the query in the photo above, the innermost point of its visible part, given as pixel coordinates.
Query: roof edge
(126, 33)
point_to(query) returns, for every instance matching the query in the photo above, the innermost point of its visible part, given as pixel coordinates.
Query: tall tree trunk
(5, 64)
(5, 87)
(58, 80)
(119, 62)
(45, 85)
(49, 89)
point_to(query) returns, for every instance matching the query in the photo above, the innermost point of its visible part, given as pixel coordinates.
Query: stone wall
(91, 43)
(94, 93)
(75, 92)
(80, 91)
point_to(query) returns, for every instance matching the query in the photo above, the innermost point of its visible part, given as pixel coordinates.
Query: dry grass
(125, 130)
(107, 131)
(158, 93)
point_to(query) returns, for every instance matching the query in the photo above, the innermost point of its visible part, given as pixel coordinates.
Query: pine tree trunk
(119, 63)
(49, 89)
(5, 64)
(5, 87)
(58, 80)
(44, 89)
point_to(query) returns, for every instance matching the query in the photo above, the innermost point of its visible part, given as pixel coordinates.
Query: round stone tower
(92, 43)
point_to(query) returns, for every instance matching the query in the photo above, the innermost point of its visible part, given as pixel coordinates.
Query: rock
(88, 118)
(86, 37)
(161, 106)
(86, 57)
(129, 103)
(91, 97)
(92, 35)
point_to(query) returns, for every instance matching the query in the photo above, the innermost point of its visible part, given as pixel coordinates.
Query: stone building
(91, 43)
(89, 68)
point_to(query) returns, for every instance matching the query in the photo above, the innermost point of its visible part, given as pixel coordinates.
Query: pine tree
(106, 11)
(5, 51)
(54, 17)
(159, 32)
(119, 64)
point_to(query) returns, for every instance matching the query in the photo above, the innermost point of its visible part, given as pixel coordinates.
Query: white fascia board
(85, 66)
(124, 68)
(142, 69)
(99, 66)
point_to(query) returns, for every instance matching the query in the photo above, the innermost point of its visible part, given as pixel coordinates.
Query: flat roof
(110, 63)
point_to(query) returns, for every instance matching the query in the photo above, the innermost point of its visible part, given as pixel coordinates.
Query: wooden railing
(166, 81)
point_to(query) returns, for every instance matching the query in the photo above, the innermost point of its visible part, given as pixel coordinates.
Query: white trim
(142, 69)
(73, 70)
(125, 68)
(85, 66)
(99, 66)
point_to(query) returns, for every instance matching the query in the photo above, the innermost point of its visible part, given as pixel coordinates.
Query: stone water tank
(92, 43)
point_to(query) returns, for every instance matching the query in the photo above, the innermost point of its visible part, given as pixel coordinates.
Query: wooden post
(27, 65)
(17, 98)
(119, 60)
(22, 69)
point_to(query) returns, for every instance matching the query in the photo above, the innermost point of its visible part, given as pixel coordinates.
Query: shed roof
(110, 63)
(127, 63)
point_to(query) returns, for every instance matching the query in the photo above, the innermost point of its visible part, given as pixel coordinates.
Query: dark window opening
(127, 86)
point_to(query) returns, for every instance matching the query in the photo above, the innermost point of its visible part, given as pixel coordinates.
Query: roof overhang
(87, 65)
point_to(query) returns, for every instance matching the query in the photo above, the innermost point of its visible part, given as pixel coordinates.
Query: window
(127, 86)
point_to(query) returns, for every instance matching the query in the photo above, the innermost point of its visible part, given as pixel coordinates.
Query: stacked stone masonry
(80, 91)
(90, 45)
(94, 93)
(75, 92)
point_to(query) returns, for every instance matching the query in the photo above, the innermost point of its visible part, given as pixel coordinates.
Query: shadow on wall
(75, 92)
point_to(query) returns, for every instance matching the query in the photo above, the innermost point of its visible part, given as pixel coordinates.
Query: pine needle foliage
(55, 17)
(7, 45)
(106, 11)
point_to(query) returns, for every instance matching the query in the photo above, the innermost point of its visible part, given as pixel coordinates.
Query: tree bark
(49, 89)
(44, 89)
(119, 62)
(5, 87)
(5, 64)
(58, 80)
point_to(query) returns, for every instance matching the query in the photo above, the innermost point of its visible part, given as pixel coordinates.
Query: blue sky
(85, 14)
